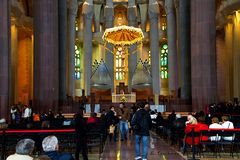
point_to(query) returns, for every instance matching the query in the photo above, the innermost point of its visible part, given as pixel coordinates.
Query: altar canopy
(123, 36)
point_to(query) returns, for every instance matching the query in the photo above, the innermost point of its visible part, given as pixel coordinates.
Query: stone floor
(159, 150)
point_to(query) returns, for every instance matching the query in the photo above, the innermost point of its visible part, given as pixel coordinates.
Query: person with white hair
(24, 149)
(50, 147)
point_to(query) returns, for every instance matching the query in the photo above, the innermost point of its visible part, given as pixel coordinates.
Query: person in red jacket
(191, 124)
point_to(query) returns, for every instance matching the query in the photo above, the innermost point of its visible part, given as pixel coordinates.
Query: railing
(117, 98)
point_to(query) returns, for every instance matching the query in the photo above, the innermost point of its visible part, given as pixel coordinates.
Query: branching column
(46, 76)
(109, 14)
(132, 58)
(87, 43)
(4, 56)
(184, 41)
(62, 21)
(203, 53)
(153, 11)
(172, 46)
(73, 7)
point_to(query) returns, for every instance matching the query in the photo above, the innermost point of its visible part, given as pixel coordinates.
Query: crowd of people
(123, 121)
(119, 123)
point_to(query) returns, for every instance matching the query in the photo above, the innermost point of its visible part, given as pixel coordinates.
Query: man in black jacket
(81, 135)
(141, 123)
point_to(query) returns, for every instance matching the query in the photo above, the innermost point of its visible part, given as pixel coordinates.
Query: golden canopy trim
(123, 35)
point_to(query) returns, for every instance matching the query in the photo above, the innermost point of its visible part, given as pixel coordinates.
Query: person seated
(215, 125)
(24, 149)
(177, 129)
(202, 126)
(50, 147)
(191, 124)
(227, 125)
(92, 119)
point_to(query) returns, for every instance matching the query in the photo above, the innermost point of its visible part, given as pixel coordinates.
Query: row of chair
(218, 144)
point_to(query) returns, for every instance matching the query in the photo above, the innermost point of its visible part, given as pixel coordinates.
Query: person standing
(81, 136)
(124, 116)
(141, 123)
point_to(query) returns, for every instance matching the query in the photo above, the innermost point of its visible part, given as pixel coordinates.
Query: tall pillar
(45, 26)
(62, 21)
(185, 48)
(172, 47)
(203, 54)
(97, 14)
(109, 14)
(5, 56)
(132, 58)
(236, 55)
(13, 88)
(229, 58)
(153, 11)
(87, 43)
(143, 15)
(72, 12)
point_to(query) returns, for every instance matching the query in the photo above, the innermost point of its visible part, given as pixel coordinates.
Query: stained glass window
(78, 52)
(120, 64)
(164, 61)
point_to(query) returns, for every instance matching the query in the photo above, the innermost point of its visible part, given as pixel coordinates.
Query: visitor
(24, 149)
(141, 123)
(50, 147)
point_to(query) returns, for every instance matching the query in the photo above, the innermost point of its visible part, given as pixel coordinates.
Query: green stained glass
(164, 61)
(78, 52)
(165, 46)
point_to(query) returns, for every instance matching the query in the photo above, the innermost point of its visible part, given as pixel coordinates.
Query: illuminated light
(237, 16)
(76, 47)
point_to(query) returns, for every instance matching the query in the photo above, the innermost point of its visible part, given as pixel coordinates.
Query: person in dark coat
(81, 136)
(50, 148)
(141, 123)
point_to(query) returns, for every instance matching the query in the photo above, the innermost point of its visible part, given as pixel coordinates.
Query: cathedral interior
(53, 51)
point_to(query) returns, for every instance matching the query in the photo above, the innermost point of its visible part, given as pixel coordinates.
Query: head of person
(141, 105)
(178, 116)
(225, 118)
(201, 119)
(215, 120)
(25, 147)
(147, 107)
(112, 108)
(191, 120)
(50, 143)
(121, 105)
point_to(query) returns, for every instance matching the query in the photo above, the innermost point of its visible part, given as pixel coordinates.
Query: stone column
(203, 54)
(46, 76)
(87, 43)
(109, 57)
(229, 58)
(143, 12)
(62, 21)
(236, 55)
(97, 14)
(184, 46)
(132, 58)
(72, 12)
(13, 88)
(5, 56)
(153, 11)
(172, 47)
